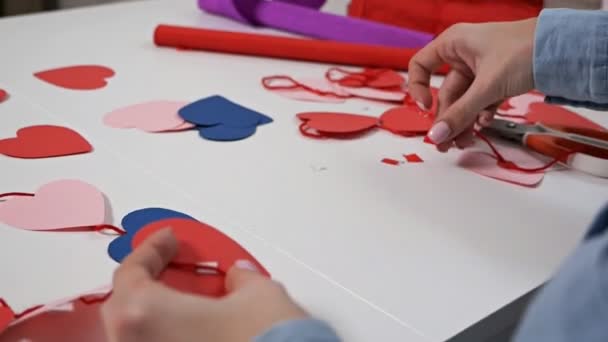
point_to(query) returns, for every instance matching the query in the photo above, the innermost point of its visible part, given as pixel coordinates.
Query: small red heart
(387, 79)
(3, 95)
(552, 115)
(198, 243)
(406, 120)
(43, 142)
(338, 123)
(80, 77)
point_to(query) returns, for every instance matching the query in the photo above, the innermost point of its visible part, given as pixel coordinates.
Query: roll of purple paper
(302, 17)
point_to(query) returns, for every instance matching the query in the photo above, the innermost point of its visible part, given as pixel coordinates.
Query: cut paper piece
(44, 142)
(338, 123)
(428, 140)
(120, 247)
(390, 161)
(199, 243)
(552, 115)
(80, 77)
(6, 316)
(413, 158)
(57, 205)
(82, 323)
(376, 94)
(372, 78)
(3, 95)
(226, 133)
(520, 105)
(154, 116)
(215, 110)
(485, 164)
(387, 79)
(407, 120)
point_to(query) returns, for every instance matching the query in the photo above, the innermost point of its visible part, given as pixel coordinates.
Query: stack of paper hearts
(406, 120)
(339, 85)
(215, 117)
(200, 244)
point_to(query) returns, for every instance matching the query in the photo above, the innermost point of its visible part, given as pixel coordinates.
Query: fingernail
(245, 265)
(440, 132)
(421, 106)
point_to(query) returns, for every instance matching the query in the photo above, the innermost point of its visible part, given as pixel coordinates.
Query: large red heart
(43, 142)
(407, 120)
(198, 243)
(338, 123)
(552, 115)
(80, 77)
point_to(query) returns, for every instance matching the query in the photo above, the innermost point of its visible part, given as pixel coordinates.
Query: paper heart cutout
(215, 110)
(386, 79)
(43, 142)
(3, 95)
(154, 116)
(6, 317)
(226, 133)
(57, 205)
(406, 120)
(485, 164)
(120, 247)
(198, 243)
(79, 77)
(552, 115)
(338, 123)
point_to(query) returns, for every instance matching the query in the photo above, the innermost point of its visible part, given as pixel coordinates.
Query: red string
(14, 194)
(512, 116)
(103, 227)
(507, 164)
(266, 82)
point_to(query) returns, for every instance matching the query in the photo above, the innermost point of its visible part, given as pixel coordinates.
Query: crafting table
(416, 253)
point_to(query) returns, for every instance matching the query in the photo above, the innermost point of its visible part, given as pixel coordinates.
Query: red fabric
(285, 47)
(435, 16)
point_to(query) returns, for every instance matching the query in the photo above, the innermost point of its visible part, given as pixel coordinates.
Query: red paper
(198, 243)
(3, 95)
(413, 158)
(43, 142)
(6, 317)
(387, 79)
(338, 123)
(80, 77)
(407, 120)
(390, 161)
(552, 115)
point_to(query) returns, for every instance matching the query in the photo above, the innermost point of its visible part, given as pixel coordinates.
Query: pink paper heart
(485, 164)
(56, 205)
(153, 117)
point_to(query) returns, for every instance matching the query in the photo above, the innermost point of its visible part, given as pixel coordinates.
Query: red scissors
(582, 149)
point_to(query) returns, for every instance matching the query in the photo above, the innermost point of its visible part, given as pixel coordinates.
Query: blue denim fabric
(307, 330)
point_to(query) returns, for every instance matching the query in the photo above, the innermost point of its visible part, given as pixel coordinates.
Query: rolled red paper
(284, 47)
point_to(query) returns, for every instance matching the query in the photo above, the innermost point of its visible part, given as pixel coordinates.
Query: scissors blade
(507, 130)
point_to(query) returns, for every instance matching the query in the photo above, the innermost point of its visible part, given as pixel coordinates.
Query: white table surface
(414, 253)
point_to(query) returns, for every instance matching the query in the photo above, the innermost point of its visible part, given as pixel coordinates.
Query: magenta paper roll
(303, 17)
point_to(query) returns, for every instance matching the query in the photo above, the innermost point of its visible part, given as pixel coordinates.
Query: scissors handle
(576, 142)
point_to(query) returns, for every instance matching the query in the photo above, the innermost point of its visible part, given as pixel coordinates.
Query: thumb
(241, 275)
(463, 112)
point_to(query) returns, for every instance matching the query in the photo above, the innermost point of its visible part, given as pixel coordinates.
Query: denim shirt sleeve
(306, 330)
(573, 306)
(571, 57)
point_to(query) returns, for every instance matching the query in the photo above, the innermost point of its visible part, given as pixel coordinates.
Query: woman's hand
(489, 62)
(143, 309)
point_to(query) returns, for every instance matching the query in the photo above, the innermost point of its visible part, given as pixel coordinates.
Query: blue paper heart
(264, 120)
(226, 133)
(215, 110)
(120, 247)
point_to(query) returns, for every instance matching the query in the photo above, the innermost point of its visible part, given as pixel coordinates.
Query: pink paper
(57, 205)
(485, 164)
(375, 94)
(153, 117)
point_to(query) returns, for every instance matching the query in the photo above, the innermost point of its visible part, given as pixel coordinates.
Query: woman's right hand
(488, 63)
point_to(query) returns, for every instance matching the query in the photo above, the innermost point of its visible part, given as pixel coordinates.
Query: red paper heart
(43, 142)
(6, 316)
(198, 243)
(387, 79)
(552, 115)
(406, 120)
(80, 77)
(3, 95)
(338, 123)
